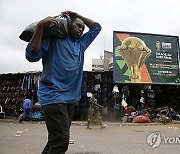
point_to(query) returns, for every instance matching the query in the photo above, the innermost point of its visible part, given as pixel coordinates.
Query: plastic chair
(1, 111)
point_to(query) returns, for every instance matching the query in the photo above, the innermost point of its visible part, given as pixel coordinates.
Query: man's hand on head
(48, 21)
(70, 14)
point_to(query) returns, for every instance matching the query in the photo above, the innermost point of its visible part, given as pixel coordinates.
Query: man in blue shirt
(60, 84)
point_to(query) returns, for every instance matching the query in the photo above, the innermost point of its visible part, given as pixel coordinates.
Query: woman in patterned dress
(94, 115)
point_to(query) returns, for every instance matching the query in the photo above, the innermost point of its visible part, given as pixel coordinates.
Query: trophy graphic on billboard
(135, 52)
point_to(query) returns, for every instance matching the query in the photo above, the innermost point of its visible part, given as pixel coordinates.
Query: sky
(144, 16)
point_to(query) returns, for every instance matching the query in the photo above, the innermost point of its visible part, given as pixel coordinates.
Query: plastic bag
(142, 118)
(51, 31)
(123, 103)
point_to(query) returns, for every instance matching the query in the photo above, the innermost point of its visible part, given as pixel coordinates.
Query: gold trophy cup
(135, 52)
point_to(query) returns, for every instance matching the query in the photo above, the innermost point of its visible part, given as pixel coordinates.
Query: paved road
(30, 138)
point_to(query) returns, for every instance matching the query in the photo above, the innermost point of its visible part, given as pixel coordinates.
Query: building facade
(103, 64)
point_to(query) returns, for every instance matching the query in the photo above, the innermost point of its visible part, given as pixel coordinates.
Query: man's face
(76, 29)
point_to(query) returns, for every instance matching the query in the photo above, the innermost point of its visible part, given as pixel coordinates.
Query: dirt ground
(31, 137)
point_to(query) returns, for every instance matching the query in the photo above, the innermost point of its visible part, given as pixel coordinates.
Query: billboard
(145, 58)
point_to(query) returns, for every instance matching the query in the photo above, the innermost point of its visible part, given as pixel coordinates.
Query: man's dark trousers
(58, 119)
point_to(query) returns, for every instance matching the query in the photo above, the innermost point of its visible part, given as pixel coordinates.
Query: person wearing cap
(60, 84)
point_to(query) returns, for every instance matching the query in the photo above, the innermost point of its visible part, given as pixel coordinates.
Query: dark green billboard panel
(145, 58)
